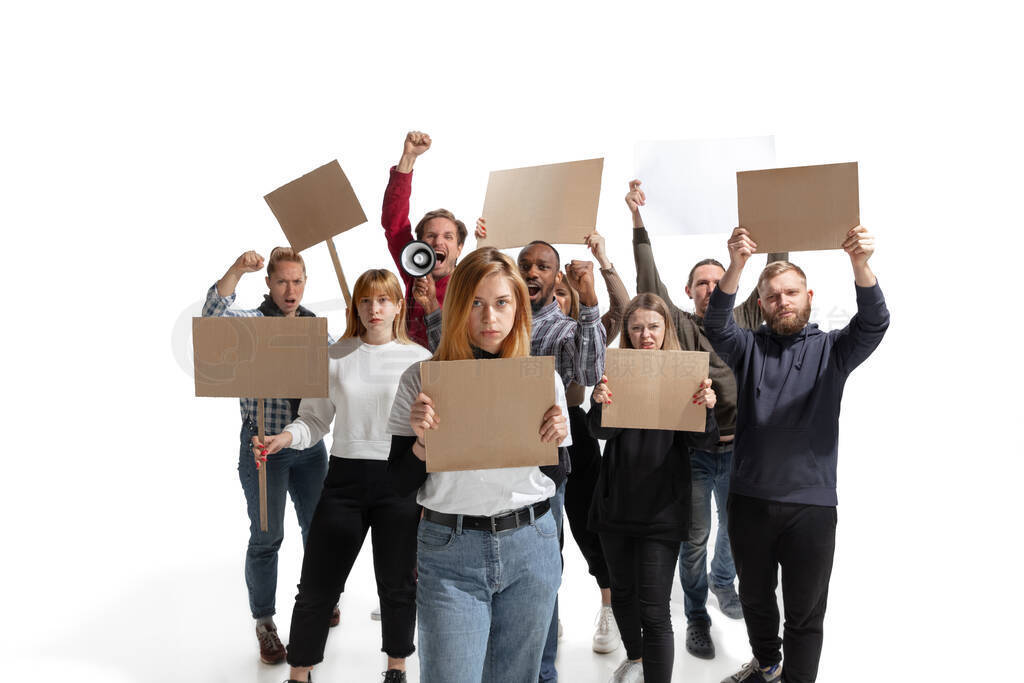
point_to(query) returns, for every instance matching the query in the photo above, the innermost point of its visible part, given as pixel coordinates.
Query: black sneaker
(752, 673)
(698, 640)
(394, 676)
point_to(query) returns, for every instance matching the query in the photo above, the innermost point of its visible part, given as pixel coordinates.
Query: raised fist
(416, 143)
(249, 262)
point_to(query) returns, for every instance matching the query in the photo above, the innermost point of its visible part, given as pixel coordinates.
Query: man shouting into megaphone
(440, 229)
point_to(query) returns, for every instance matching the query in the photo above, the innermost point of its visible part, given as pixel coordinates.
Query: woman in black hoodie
(641, 506)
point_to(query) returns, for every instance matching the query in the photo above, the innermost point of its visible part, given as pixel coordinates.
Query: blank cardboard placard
(802, 208)
(654, 389)
(260, 357)
(316, 207)
(556, 203)
(691, 184)
(491, 412)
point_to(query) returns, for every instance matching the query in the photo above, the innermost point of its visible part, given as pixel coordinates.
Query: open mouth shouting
(439, 257)
(534, 288)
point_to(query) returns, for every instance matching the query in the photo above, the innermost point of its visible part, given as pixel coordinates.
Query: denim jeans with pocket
(484, 601)
(299, 474)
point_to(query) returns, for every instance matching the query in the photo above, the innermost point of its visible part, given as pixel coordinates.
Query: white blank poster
(691, 184)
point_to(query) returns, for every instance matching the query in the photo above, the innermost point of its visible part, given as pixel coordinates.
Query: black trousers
(802, 540)
(585, 455)
(357, 496)
(641, 571)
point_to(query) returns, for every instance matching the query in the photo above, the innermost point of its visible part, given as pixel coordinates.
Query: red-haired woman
(358, 496)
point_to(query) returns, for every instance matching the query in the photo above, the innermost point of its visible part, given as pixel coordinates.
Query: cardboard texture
(556, 203)
(654, 389)
(260, 357)
(316, 207)
(490, 412)
(691, 184)
(803, 208)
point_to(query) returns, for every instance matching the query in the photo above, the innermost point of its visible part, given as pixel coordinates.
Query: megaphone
(417, 259)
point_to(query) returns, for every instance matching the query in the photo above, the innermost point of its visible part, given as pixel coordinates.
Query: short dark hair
(442, 213)
(705, 262)
(558, 257)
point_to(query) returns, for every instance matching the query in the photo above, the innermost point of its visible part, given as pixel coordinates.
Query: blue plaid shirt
(277, 411)
(578, 346)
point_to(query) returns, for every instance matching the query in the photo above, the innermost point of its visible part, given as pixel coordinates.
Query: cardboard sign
(691, 184)
(801, 208)
(317, 206)
(654, 389)
(556, 203)
(491, 412)
(260, 357)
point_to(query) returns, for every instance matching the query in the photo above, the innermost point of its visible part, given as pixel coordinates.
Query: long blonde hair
(650, 302)
(370, 284)
(458, 303)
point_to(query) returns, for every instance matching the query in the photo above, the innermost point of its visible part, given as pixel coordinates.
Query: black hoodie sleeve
(855, 342)
(407, 471)
(594, 424)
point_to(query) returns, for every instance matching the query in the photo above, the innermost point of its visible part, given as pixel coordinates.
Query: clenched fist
(249, 262)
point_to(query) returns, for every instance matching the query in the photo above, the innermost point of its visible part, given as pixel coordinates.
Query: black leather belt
(502, 522)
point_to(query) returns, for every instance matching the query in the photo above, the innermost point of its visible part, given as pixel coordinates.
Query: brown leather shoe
(335, 617)
(271, 649)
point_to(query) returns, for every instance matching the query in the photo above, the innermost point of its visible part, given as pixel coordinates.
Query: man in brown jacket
(710, 469)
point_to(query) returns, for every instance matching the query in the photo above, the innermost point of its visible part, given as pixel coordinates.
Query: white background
(138, 140)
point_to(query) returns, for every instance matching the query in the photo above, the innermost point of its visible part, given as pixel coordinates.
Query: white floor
(186, 624)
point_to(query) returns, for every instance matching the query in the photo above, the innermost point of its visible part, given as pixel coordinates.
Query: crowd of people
(469, 562)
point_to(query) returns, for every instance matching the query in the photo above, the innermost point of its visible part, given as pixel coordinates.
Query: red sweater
(398, 230)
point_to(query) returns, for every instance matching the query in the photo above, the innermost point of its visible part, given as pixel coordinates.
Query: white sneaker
(375, 613)
(606, 636)
(628, 672)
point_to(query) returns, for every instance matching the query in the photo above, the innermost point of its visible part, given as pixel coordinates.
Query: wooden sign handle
(341, 274)
(263, 469)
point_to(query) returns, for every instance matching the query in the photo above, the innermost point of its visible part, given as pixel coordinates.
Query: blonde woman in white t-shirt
(487, 546)
(365, 367)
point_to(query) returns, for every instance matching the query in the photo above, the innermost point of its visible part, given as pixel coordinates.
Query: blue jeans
(710, 472)
(484, 601)
(548, 673)
(298, 473)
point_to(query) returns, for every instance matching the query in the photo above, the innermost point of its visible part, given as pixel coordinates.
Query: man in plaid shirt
(289, 472)
(578, 348)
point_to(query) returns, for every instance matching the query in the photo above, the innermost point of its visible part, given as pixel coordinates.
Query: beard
(789, 325)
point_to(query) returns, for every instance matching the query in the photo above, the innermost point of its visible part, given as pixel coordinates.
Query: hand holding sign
(741, 247)
(553, 428)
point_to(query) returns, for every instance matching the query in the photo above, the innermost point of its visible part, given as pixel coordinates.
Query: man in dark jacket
(782, 502)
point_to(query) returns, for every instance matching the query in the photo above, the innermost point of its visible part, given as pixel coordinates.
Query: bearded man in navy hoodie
(782, 500)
